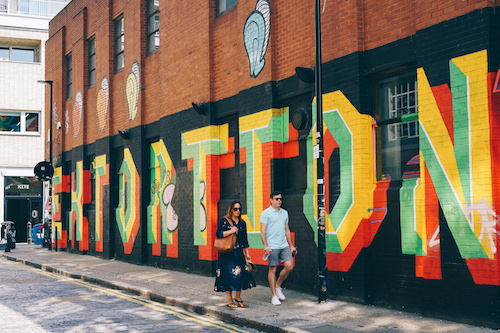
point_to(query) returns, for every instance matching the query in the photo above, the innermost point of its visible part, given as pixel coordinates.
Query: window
(19, 54)
(153, 19)
(119, 44)
(19, 122)
(397, 120)
(223, 5)
(69, 76)
(91, 61)
(4, 54)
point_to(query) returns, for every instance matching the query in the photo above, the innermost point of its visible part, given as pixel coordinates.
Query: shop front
(23, 204)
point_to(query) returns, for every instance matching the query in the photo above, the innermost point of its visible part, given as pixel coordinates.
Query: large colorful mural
(455, 153)
(411, 218)
(454, 185)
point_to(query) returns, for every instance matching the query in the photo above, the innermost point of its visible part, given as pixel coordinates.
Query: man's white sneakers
(280, 294)
(275, 300)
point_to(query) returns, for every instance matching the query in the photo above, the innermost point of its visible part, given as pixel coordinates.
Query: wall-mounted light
(200, 108)
(299, 119)
(305, 74)
(125, 134)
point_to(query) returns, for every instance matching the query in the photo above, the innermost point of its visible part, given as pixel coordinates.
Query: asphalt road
(32, 300)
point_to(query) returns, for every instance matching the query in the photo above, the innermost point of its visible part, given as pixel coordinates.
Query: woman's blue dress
(232, 273)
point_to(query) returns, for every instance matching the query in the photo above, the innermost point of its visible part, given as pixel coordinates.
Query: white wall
(20, 91)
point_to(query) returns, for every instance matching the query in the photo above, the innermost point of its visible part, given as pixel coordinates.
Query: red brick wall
(202, 57)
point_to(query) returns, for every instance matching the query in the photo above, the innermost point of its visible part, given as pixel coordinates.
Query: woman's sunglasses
(236, 209)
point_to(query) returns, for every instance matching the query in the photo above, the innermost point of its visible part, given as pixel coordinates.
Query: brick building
(410, 110)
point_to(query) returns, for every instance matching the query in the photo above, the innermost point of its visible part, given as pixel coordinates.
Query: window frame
(69, 75)
(152, 35)
(392, 151)
(11, 47)
(92, 61)
(22, 122)
(119, 39)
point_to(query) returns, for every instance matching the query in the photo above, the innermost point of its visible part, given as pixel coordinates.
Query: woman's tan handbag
(226, 244)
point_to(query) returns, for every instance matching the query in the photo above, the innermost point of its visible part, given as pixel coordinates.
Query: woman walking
(232, 272)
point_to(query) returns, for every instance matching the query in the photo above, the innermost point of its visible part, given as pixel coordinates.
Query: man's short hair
(275, 193)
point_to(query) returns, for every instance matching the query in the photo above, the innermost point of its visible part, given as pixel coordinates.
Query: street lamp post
(309, 75)
(50, 160)
(318, 87)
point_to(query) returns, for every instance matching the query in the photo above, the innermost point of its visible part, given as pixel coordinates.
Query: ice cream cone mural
(132, 90)
(77, 113)
(102, 103)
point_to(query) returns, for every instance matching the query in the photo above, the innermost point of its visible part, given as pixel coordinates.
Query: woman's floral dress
(231, 272)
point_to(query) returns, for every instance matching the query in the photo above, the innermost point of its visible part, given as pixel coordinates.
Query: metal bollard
(30, 240)
(56, 240)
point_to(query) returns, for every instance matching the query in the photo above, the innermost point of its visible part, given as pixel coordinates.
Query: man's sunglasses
(280, 198)
(236, 209)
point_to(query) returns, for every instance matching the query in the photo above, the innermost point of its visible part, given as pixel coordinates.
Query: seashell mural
(102, 103)
(132, 89)
(256, 36)
(77, 113)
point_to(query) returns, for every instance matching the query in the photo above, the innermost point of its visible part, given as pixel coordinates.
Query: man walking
(277, 240)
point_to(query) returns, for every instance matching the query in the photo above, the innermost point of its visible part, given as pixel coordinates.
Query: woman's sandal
(231, 305)
(240, 302)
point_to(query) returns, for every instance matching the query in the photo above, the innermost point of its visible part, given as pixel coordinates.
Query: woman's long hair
(229, 214)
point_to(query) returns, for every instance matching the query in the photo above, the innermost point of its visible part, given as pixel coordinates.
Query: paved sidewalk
(299, 313)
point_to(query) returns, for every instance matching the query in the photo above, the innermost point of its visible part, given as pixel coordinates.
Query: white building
(24, 28)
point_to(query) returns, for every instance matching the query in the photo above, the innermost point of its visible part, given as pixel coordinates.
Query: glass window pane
(119, 44)
(92, 78)
(32, 122)
(24, 55)
(153, 6)
(120, 61)
(10, 122)
(4, 54)
(119, 27)
(92, 46)
(231, 3)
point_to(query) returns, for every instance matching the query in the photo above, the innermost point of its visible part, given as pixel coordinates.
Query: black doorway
(21, 211)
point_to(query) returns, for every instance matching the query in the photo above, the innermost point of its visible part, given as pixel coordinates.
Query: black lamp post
(318, 88)
(50, 158)
(310, 75)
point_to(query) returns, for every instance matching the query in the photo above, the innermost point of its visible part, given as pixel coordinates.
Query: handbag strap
(230, 221)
